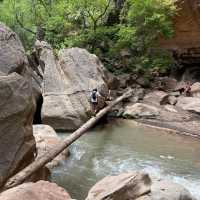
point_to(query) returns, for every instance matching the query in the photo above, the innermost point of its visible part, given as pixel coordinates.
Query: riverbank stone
(41, 190)
(121, 187)
(167, 190)
(189, 104)
(140, 110)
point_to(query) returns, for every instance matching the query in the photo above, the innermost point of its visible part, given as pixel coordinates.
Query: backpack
(94, 96)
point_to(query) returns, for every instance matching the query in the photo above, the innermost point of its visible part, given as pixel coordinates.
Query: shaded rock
(121, 187)
(140, 110)
(67, 84)
(17, 143)
(12, 53)
(144, 82)
(167, 190)
(138, 94)
(156, 98)
(185, 42)
(189, 104)
(46, 139)
(166, 84)
(41, 190)
(126, 80)
(195, 90)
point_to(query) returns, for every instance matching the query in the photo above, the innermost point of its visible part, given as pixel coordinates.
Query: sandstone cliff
(186, 40)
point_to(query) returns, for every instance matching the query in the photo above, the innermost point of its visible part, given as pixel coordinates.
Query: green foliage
(83, 23)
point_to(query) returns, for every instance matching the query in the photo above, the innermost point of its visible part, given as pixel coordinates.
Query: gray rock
(46, 139)
(167, 190)
(67, 84)
(172, 100)
(156, 97)
(17, 143)
(124, 186)
(195, 90)
(12, 54)
(140, 110)
(189, 104)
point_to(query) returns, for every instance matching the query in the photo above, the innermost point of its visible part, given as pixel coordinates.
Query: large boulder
(140, 110)
(156, 97)
(189, 104)
(46, 139)
(17, 143)
(67, 84)
(195, 90)
(167, 190)
(41, 190)
(121, 187)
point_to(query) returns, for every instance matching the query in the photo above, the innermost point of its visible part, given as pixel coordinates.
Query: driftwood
(47, 157)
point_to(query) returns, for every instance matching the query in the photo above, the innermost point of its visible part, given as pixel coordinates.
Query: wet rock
(156, 98)
(195, 90)
(121, 187)
(41, 190)
(67, 84)
(167, 190)
(189, 104)
(46, 139)
(140, 110)
(17, 144)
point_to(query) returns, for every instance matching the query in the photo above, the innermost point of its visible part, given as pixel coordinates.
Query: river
(122, 146)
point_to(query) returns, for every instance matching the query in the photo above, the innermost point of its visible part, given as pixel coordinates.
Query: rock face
(167, 190)
(140, 110)
(41, 190)
(121, 187)
(46, 138)
(189, 104)
(186, 40)
(16, 105)
(67, 84)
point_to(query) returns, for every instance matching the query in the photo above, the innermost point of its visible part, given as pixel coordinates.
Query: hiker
(94, 96)
(187, 89)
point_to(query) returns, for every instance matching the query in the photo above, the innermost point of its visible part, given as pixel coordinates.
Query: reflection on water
(120, 147)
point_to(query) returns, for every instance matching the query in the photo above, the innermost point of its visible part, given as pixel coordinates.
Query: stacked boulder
(17, 107)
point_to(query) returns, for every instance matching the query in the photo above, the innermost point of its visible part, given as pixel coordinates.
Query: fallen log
(48, 157)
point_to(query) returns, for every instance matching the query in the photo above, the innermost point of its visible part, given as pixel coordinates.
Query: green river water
(121, 146)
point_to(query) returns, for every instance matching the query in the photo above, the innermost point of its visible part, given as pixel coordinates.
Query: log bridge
(20, 177)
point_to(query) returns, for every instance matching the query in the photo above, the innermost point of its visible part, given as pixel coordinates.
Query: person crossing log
(49, 156)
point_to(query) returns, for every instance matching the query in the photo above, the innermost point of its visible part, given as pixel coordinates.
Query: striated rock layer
(16, 106)
(68, 81)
